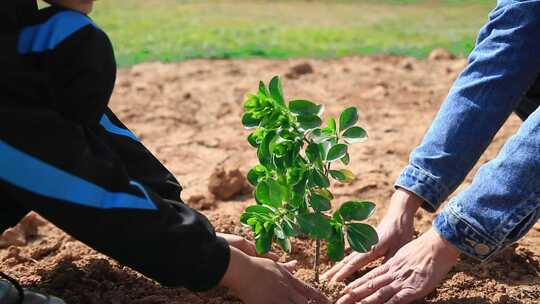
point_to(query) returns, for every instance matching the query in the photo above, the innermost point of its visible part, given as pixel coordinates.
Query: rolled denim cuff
(424, 185)
(467, 238)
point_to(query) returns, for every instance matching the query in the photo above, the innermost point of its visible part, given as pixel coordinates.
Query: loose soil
(189, 113)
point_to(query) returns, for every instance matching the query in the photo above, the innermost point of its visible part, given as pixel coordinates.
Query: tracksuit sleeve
(82, 72)
(68, 174)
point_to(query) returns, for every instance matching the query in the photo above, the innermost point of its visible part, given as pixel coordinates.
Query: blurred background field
(172, 30)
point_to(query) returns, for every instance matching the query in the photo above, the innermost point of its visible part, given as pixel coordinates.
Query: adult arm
(502, 67)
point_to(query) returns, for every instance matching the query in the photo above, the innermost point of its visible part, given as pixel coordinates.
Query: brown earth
(189, 113)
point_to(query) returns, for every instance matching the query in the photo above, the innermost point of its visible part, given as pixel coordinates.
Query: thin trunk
(317, 259)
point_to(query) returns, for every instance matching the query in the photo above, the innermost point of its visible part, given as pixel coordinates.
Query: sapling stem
(317, 260)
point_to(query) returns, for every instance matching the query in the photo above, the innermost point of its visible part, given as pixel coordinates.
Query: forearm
(503, 202)
(501, 68)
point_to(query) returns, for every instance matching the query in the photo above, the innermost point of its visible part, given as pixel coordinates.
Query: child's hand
(246, 246)
(262, 281)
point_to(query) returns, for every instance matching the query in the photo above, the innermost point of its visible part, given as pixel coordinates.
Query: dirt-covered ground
(189, 113)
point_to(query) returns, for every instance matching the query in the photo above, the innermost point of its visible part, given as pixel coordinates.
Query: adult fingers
(382, 295)
(370, 276)
(332, 271)
(353, 265)
(371, 287)
(405, 296)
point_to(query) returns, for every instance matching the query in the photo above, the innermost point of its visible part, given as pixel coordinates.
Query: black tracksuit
(65, 155)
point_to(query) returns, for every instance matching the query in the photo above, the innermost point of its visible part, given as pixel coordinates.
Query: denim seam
(468, 233)
(482, 235)
(518, 216)
(430, 186)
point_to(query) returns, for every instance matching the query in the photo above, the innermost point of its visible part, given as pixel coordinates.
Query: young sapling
(292, 180)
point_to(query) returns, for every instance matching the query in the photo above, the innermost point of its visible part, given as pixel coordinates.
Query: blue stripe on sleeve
(107, 124)
(48, 35)
(36, 176)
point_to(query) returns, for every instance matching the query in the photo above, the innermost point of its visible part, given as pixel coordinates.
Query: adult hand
(246, 246)
(263, 281)
(411, 274)
(395, 230)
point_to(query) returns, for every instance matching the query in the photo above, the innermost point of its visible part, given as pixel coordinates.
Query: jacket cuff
(212, 268)
(424, 185)
(467, 238)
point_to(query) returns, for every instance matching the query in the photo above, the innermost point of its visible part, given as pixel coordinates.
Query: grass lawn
(170, 30)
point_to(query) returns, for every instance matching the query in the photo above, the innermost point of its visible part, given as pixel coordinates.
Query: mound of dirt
(226, 184)
(299, 70)
(441, 54)
(189, 114)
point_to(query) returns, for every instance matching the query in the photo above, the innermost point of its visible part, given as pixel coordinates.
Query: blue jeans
(503, 202)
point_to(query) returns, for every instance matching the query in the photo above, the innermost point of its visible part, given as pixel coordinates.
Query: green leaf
(251, 221)
(313, 152)
(338, 218)
(332, 125)
(285, 244)
(319, 179)
(289, 228)
(318, 136)
(262, 89)
(294, 176)
(263, 152)
(348, 118)
(256, 211)
(354, 135)
(336, 152)
(255, 174)
(253, 140)
(249, 121)
(323, 192)
(336, 244)
(361, 237)
(262, 193)
(308, 122)
(357, 210)
(304, 107)
(300, 187)
(280, 146)
(346, 160)
(278, 231)
(276, 90)
(343, 175)
(297, 200)
(315, 225)
(259, 210)
(275, 193)
(251, 103)
(319, 202)
(263, 242)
